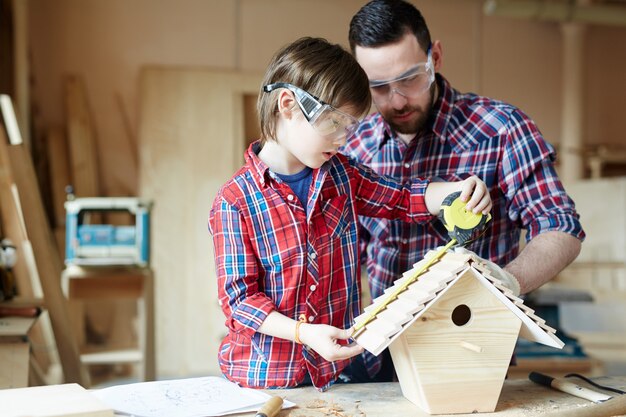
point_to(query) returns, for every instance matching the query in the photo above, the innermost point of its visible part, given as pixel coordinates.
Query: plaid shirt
(466, 135)
(270, 255)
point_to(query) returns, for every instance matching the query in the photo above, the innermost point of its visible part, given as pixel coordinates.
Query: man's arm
(538, 202)
(543, 258)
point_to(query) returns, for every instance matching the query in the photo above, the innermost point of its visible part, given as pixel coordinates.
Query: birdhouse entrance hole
(461, 315)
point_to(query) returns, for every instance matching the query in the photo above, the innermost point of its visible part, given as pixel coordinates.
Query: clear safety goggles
(412, 83)
(324, 118)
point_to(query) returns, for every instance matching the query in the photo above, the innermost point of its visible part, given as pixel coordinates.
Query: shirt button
(407, 165)
(313, 256)
(311, 318)
(290, 197)
(405, 241)
(312, 287)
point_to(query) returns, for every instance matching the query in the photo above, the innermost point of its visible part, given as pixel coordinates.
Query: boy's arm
(320, 337)
(414, 201)
(244, 306)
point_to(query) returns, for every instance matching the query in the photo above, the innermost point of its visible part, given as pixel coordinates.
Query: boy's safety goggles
(410, 84)
(325, 119)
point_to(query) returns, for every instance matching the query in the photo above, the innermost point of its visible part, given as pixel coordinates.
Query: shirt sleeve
(382, 196)
(243, 304)
(535, 195)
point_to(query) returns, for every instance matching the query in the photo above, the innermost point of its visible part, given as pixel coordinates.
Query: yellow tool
(462, 225)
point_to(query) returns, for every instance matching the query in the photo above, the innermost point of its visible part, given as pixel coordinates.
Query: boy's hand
(323, 338)
(475, 193)
(473, 190)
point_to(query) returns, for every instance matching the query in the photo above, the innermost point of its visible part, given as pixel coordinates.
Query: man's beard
(414, 126)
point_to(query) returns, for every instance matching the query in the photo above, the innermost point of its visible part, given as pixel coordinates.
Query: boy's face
(405, 111)
(306, 145)
(298, 144)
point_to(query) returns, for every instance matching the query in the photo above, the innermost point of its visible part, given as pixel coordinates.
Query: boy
(285, 226)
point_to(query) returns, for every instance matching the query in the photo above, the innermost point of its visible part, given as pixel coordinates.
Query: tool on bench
(568, 387)
(613, 406)
(463, 226)
(271, 407)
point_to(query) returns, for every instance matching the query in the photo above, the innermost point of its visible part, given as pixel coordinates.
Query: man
(425, 128)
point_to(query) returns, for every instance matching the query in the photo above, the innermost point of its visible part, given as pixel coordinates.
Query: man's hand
(506, 278)
(323, 339)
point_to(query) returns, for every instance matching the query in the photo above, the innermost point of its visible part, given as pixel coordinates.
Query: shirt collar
(442, 109)
(261, 172)
(259, 169)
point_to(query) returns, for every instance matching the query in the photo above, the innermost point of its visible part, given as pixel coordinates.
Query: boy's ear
(286, 103)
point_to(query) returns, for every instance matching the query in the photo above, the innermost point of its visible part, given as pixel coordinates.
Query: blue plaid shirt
(466, 135)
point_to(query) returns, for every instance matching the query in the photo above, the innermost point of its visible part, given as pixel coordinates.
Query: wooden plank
(113, 286)
(383, 327)
(25, 270)
(191, 140)
(81, 138)
(59, 171)
(52, 401)
(18, 169)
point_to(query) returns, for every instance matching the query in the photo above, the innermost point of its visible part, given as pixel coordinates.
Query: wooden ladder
(27, 225)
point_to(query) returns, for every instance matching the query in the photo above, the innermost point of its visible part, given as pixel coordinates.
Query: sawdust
(318, 408)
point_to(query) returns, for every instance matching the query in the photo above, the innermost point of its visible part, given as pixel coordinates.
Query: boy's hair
(381, 22)
(325, 70)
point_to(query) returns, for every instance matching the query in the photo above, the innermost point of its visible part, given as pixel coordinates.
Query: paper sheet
(191, 397)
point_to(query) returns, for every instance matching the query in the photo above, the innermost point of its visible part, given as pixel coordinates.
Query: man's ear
(437, 53)
(286, 103)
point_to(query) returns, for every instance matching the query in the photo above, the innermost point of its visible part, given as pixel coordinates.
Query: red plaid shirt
(466, 135)
(270, 255)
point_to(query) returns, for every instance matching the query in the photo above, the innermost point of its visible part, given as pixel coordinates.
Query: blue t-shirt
(300, 184)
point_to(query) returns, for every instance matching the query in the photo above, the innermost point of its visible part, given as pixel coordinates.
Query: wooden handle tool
(613, 407)
(270, 408)
(568, 387)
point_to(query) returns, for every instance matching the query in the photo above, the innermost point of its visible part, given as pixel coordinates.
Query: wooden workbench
(519, 397)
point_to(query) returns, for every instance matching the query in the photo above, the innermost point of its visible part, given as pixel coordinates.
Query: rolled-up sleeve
(244, 305)
(535, 195)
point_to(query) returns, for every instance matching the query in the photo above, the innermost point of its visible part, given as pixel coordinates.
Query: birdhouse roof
(404, 307)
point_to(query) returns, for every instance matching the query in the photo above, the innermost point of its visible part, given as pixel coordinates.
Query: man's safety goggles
(410, 84)
(325, 119)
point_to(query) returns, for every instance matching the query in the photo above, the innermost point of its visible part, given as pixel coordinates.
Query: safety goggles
(324, 118)
(412, 83)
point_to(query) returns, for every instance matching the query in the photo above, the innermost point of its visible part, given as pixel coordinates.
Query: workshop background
(170, 89)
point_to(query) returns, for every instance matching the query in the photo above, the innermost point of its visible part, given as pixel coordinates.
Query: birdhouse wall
(447, 368)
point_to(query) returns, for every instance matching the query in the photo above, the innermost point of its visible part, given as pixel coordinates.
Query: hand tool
(463, 226)
(612, 407)
(568, 387)
(270, 408)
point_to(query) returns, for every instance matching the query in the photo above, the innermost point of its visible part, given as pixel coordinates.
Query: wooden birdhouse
(451, 333)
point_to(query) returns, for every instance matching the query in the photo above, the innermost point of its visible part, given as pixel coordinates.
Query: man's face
(404, 108)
